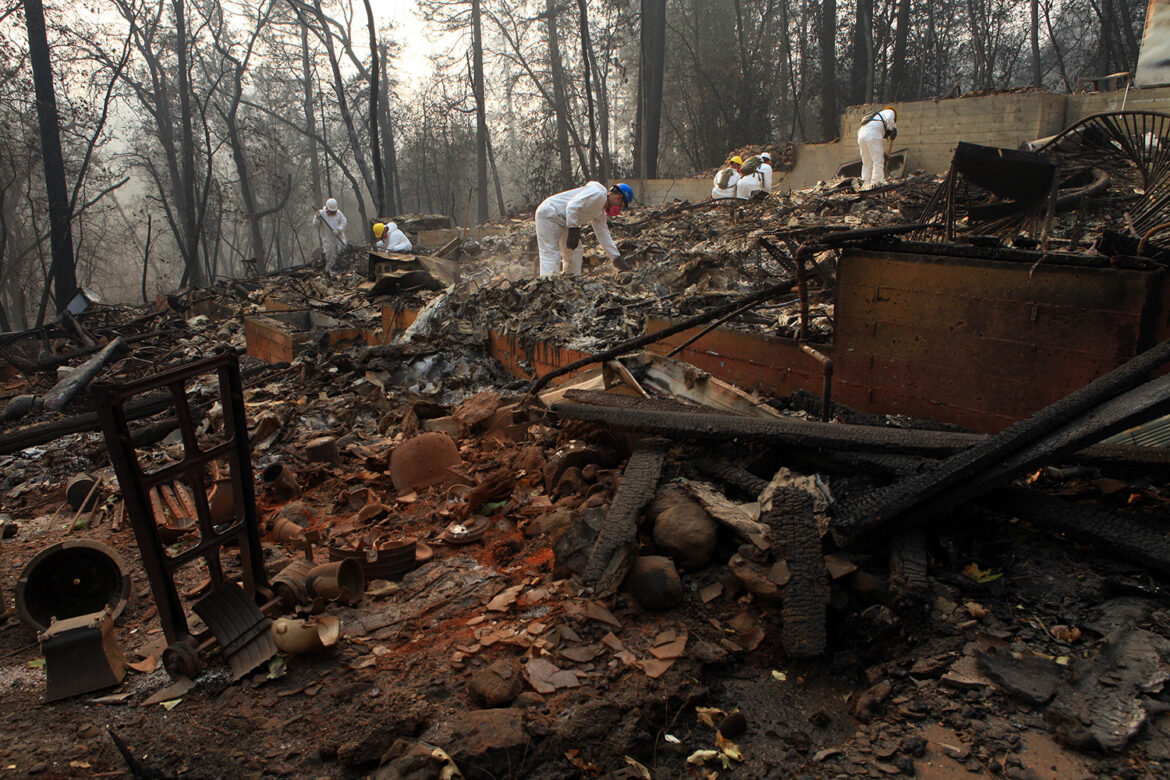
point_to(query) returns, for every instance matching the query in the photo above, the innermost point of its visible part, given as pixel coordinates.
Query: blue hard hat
(627, 192)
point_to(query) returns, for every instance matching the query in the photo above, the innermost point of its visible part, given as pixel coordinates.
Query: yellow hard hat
(737, 160)
(379, 229)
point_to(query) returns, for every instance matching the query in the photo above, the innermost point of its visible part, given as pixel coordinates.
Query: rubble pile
(642, 572)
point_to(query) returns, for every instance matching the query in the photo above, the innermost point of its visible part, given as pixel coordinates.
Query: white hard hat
(331, 204)
(766, 156)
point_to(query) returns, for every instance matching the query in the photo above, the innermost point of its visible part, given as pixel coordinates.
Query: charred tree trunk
(861, 87)
(899, 87)
(310, 113)
(1034, 37)
(196, 271)
(828, 41)
(586, 64)
(481, 157)
(560, 105)
(389, 157)
(375, 150)
(650, 72)
(60, 218)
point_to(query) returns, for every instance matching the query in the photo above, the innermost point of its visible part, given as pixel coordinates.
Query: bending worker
(559, 220)
(871, 139)
(726, 179)
(390, 238)
(755, 176)
(330, 223)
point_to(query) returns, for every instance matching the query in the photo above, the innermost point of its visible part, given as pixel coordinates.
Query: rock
(492, 742)
(687, 534)
(497, 685)
(19, 406)
(754, 578)
(654, 582)
(668, 496)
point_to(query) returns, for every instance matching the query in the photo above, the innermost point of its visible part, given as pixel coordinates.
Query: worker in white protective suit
(559, 220)
(330, 223)
(877, 129)
(756, 176)
(726, 179)
(390, 238)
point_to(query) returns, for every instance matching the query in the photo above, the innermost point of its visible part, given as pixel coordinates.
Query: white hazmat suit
(331, 227)
(718, 192)
(569, 209)
(758, 180)
(393, 240)
(871, 140)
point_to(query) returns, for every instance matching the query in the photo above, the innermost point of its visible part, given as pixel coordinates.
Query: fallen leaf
(79, 764)
(36, 663)
(976, 610)
(982, 576)
(780, 676)
(582, 654)
(707, 715)
(641, 770)
(700, 757)
(276, 668)
(170, 704)
(672, 739)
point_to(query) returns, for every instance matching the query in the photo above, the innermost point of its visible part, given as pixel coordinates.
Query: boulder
(687, 534)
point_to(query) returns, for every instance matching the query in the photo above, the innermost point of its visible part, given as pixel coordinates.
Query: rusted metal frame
(136, 486)
(827, 391)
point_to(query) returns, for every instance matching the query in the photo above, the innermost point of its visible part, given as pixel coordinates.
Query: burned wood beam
(806, 596)
(871, 510)
(617, 541)
(731, 474)
(68, 388)
(798, 433)
(1125, 538)
(40, 433)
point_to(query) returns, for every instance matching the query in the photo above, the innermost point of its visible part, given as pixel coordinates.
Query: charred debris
(435, 516)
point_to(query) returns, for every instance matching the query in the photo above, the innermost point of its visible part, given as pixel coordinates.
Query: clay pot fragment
(306, 636)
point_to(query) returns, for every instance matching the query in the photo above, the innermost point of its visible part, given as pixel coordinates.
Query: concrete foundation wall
(931, 129)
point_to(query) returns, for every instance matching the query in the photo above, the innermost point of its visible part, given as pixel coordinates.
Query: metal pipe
(827, 392)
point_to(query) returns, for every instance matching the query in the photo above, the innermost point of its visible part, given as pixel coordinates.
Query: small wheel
(181, 659)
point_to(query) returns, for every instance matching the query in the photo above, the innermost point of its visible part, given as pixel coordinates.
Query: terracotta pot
(222, 503)
(285, 530)
(281, 480)
(290, 585)
(337, 581)
(306, 636)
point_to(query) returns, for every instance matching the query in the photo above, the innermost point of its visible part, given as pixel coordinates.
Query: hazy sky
(410, 31)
